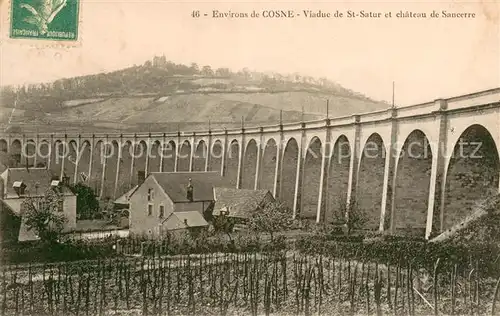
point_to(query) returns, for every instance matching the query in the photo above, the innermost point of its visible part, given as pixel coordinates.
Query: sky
(426, 58)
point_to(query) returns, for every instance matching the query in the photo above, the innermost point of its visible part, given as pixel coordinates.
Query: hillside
(169, 96)
(482, 226)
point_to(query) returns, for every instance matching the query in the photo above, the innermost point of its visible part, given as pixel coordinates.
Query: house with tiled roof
(239, 204)
(172, 201)
(16, 184)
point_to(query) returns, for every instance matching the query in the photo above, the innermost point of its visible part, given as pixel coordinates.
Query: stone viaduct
(416, 169)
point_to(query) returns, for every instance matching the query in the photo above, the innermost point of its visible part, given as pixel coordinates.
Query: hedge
(393, 250)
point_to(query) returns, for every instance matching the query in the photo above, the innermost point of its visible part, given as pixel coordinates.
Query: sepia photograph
(164, 157)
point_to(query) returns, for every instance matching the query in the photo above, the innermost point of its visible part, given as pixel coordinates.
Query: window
(162, 211)
(150, 209)
(151, 195)
(42, 205)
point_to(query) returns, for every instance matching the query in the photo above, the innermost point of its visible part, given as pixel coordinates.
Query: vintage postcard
(249, 157)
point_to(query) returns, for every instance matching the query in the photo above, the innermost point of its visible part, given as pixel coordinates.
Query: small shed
(123, 201)
(190, 221)
(239, 204)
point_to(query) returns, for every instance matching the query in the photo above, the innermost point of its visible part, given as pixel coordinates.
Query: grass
(257, 108)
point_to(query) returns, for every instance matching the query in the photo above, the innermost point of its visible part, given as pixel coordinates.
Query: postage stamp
(44, 19)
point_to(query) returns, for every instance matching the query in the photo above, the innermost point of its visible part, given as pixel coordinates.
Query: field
(278, 283)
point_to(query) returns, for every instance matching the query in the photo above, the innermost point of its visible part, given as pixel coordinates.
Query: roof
(174, 184)
(182, 220)
(124, 199)
(188, 207)
(24, 233)
(37, 181)
(239, 202)
(12, 207)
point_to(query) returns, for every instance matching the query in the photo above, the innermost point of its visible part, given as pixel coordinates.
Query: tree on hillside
(223, 72)
(272, 218)
(44, 215)
(245, 73)
(207, 71)
(194, 68)
(87, 205)
(160, 61)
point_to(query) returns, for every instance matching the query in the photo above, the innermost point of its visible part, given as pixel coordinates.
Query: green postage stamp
(44, 19)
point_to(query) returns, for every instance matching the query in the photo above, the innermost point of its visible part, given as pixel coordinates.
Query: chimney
(141, 176)
(2, 189)
(54, 184)
(65, 180)
(189, 191)
(19, 187)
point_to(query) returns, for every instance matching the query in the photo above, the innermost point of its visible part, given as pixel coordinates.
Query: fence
(98, 234)
(281, 283)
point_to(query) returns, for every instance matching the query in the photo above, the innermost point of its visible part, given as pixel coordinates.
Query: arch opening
(268, 169)
(43, 154)
(169, 153)
(124, 182)
(200, 156)
(15, 154)
(311, 180)
(84, 157)
(56, 157)
(97, 167)
(183, 162)
(370, 182)
(30, 153)
(216, 157)
(412, 186)
(140, 157)
(289, 173)
(338, 181)
(111, 151)
(155, 157)
(4, 146)
(249, 165)
(473, 174)
(233, 154)
(70, 160)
